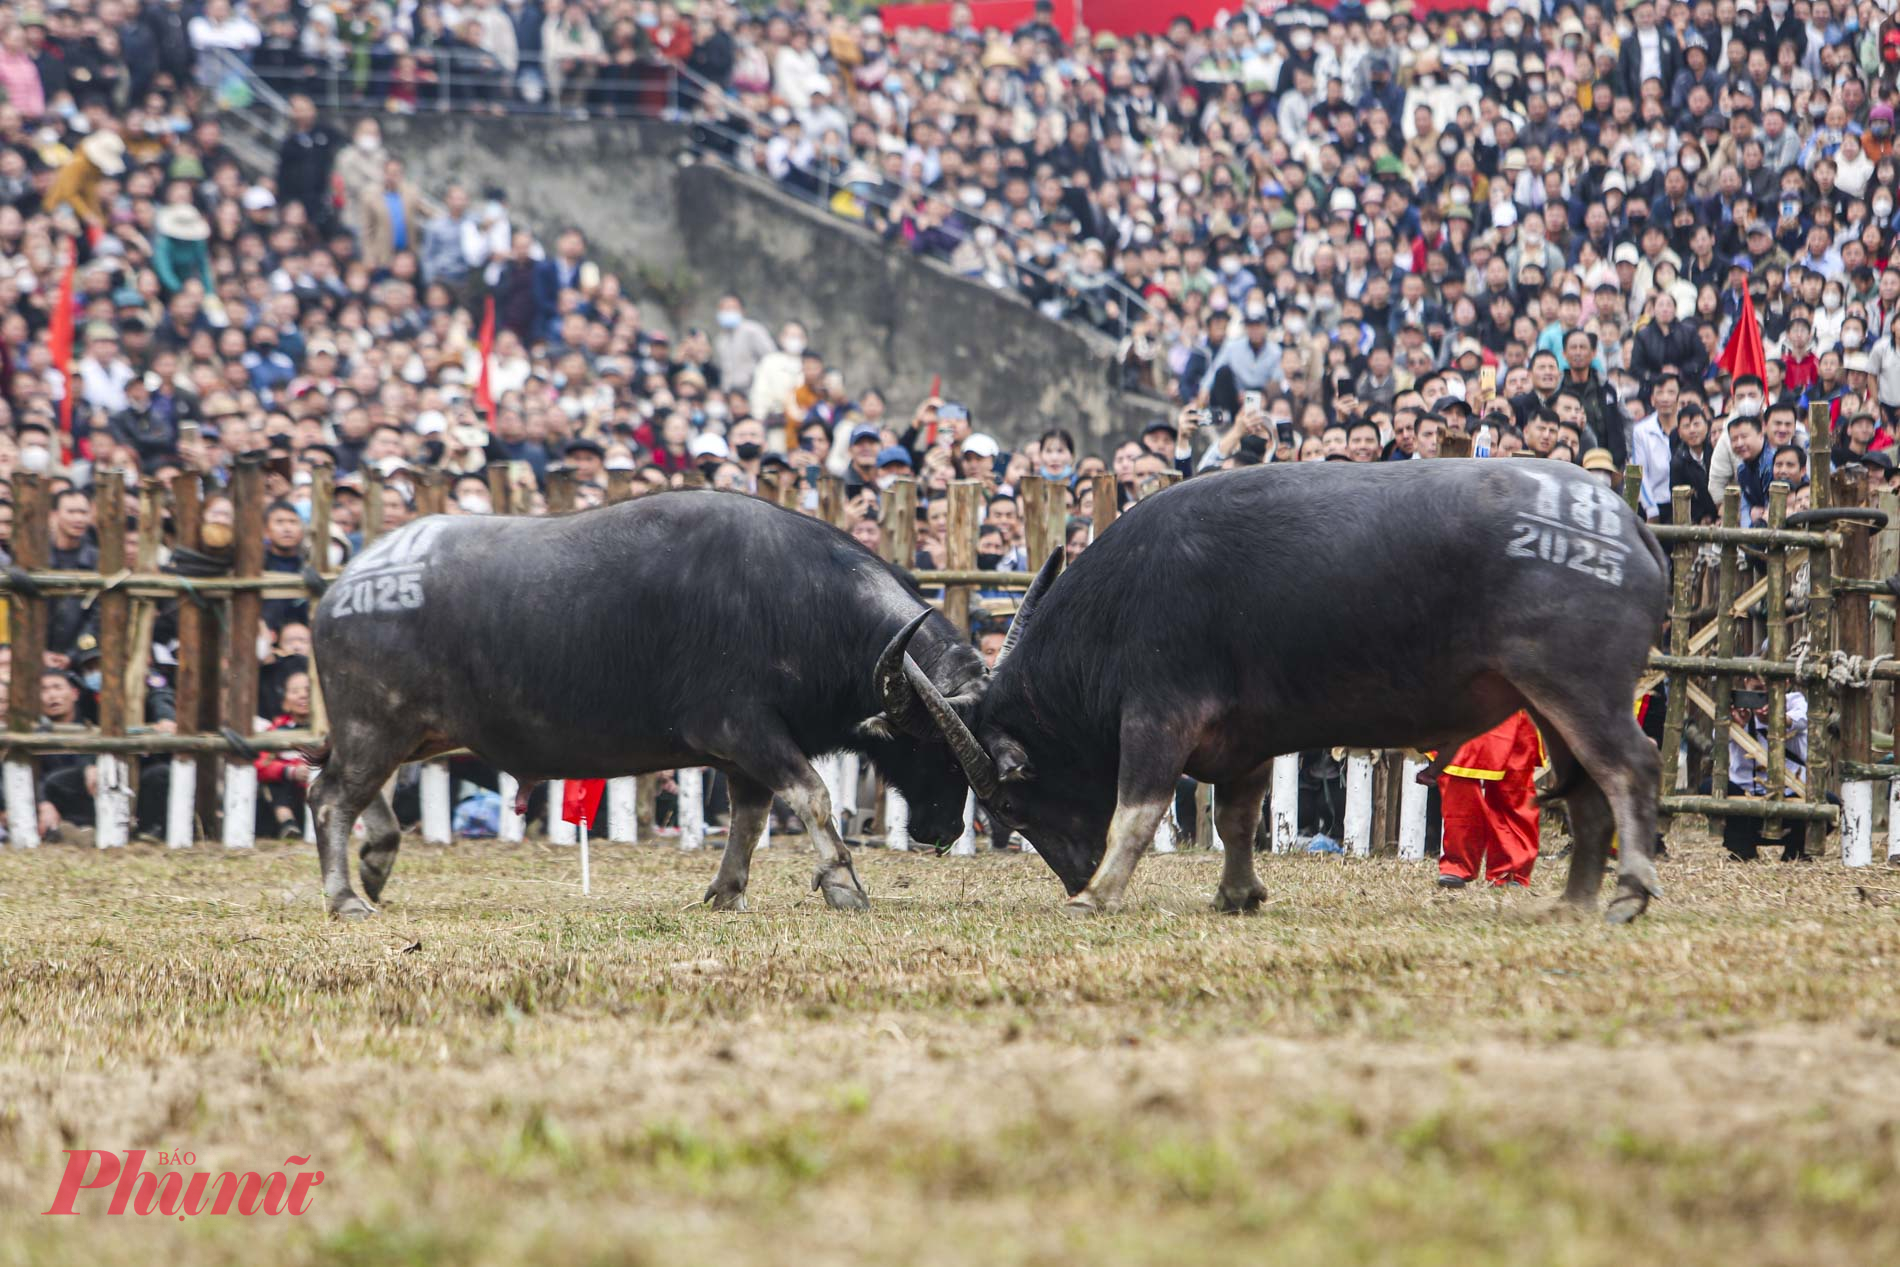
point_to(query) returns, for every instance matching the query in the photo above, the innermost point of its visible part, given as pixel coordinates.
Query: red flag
(484, 395)
(1743, 355)
(59, 338)
(580, 800)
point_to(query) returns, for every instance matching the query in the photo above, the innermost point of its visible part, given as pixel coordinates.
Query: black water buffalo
(679, 629)
(1276, 609)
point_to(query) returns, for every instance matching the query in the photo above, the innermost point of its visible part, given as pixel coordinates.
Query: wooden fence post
(1357, 827)
(192, 777)
(1675, 713)
(1107, 503)
(112, 793)
(240, 690)
(1854, 634)
(500, 492)
(27, 627)
(1412, 805)
(619, 486)
(900, 523)
(560, 492)
(1727, 582)
(1286, 801)
(831, 500)
(966, 504)
(372, 505)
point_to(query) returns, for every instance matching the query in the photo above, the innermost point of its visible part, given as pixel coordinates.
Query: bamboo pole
(112, 801)
(1824, 776)
(966, 502)
(1777, 776)
(1748, 807)
(831, 500)
(143, 741)
(1853, 637)
(144, 611)
(197, 694)
(1682, 569)
(1760, 538)
(372, 505)
(619, 486)
(1029, 499)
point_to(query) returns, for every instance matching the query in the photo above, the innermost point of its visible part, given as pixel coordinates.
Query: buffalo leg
(1625, 767)
(751, 803)
(1153, 754)
(362, 756)
(1237, 813)
(378, 856)
(1591, 827)
(835, 877)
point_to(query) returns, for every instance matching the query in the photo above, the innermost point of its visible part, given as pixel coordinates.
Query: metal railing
(722, 130)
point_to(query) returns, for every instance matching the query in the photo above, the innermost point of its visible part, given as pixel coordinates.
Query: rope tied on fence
(108, 585)
(1852, 671)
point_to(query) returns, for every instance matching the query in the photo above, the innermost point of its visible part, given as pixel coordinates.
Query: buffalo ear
(877, 727)
(1012, 762)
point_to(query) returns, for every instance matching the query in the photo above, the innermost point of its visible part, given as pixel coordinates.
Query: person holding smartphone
(1748, 716)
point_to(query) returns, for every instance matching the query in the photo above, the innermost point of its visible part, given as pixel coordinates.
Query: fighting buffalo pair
(1218, 624)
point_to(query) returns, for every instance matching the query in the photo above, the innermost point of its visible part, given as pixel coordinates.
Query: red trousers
(1489, 806)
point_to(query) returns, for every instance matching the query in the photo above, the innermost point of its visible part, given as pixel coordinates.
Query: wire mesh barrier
(1776, 670)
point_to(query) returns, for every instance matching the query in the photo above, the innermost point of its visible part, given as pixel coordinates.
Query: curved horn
(1045, 577)
(893, 691)
(976, 763)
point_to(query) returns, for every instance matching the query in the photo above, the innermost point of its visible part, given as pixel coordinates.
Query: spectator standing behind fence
(1748, 714)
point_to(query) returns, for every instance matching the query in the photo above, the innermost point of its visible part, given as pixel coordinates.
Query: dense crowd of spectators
(1327, 236)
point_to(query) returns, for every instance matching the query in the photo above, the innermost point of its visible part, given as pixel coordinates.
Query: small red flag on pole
(580, 800)
(484, 394)
(59, 338)
(1744, 355)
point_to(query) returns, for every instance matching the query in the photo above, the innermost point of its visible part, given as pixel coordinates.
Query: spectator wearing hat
(863, 446)
(976, 459)
(1251, 363)
(180, 252)
(99, 158)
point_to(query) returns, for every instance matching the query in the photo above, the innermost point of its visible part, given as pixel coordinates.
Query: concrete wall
(691, 232)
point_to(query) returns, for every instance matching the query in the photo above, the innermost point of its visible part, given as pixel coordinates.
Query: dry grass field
(499, 1071)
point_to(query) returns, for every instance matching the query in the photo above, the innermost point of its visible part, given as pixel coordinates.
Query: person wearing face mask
(360, 169)
(747, 439)
(778, 375)
(708, 453)
(739, 344)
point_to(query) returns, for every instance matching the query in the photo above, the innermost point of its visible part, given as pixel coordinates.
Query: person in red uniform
(1490, 806)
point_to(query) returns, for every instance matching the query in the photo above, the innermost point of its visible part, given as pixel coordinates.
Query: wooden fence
(1730, 610)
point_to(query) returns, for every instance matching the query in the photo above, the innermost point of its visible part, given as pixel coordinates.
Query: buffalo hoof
(724, 899)
(1630, 902)
(840, 896)
(1243, 903)
(1080, 908)
(373, 878)
(351, 907)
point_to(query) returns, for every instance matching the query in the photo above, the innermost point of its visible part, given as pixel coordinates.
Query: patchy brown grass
(499, 1071)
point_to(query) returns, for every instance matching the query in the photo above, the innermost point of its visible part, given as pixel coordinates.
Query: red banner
(1002, 15)
(1119, 17)
(59, 336)
(484, 393)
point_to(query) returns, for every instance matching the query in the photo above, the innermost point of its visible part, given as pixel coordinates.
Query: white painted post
(23, 807)
(765, 832)
(1412, 801)
(1358, 826)
(181, 804)
(1893, 817)
(830, 773)
(587, 881)
(240, 805)
(560, 831)
(966, 843)
(1166, 830)
(111, 802)
(512, 827)
(309, 826)
(849, 772)
(1857, 822)
(692, 807)
(1286, 802)
(435, 803)
(896, 820)
(623, 825)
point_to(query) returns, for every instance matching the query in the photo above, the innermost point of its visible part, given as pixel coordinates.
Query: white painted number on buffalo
(388, 576)
(1586, 540)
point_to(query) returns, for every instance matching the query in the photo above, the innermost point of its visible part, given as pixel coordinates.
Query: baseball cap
(894, 455)
(980, 444)
(865, 431)
(1626, 254)
(708, 446)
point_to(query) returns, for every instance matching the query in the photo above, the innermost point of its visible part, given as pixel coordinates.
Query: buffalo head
(1053, 813)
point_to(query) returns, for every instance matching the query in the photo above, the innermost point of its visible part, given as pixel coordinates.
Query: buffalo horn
(976, 763)
(1045, 577)
(900, 704)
